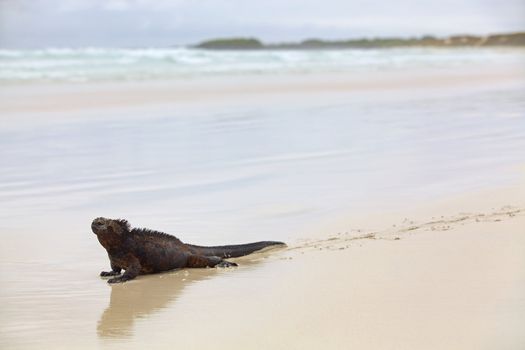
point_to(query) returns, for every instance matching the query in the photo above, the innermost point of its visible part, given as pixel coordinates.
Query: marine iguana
(141, 251)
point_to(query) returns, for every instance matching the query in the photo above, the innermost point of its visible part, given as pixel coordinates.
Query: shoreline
(448, 212)
(514, 39)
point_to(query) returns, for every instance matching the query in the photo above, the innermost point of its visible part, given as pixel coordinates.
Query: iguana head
(109, 232)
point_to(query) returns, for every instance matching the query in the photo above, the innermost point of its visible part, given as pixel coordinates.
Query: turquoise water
(95, 64)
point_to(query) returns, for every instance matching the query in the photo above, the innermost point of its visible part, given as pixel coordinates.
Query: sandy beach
(442, 278)
(392, 268)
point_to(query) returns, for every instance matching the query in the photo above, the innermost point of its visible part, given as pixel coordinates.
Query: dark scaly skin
(142, 251)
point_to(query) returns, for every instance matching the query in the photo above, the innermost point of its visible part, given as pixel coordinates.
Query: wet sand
(437, 280)
(440, 272)
(52, 98)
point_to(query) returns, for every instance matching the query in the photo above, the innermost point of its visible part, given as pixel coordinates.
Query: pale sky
(153, 23)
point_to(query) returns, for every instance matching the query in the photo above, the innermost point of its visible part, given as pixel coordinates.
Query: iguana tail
(234, 251)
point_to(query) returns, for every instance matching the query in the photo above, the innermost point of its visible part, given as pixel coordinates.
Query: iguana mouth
(97, 225)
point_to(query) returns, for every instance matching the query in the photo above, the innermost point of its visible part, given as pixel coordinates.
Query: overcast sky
(131, 23)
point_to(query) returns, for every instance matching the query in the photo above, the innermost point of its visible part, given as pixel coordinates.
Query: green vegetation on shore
(511, 39)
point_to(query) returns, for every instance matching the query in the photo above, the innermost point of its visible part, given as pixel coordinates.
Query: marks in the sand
(444, 224)
(342, 241)
(407, 227)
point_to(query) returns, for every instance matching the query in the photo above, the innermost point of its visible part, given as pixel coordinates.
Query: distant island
(511, 39)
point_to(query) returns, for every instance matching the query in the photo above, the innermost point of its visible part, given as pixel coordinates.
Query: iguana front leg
(115, 270)
(131, 272)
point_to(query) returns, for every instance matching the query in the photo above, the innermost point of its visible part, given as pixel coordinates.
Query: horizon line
(264, 42)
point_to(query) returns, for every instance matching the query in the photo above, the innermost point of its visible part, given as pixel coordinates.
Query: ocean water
(95, 64)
